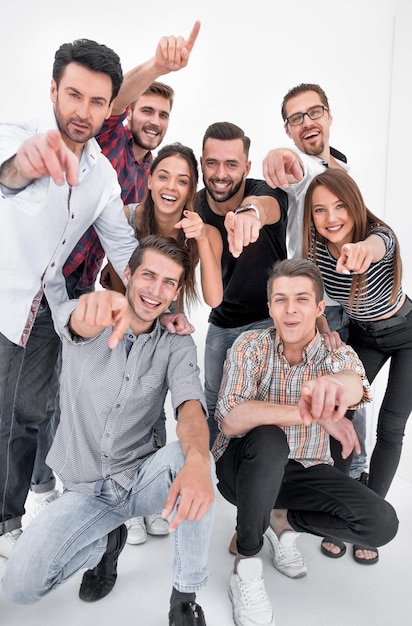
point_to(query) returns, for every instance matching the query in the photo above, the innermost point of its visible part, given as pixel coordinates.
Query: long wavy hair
(148, 226)
(365, 222)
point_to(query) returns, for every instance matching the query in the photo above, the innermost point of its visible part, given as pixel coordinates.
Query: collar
(148, 157)
(339, 156)
(309, 351)
(129, 335)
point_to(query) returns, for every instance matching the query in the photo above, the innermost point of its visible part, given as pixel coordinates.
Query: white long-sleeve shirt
(41, 224)
(296, 192)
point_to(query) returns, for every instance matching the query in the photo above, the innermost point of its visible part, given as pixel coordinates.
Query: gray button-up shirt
(111, 400)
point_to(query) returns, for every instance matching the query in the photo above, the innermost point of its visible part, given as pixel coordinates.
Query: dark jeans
(256, 476)
(43, 478)
(25, 375)
(374, 349)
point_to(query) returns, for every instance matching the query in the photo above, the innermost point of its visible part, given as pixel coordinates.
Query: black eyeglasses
(314, 113)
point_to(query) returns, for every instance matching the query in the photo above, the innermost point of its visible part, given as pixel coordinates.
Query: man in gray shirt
(118, 364)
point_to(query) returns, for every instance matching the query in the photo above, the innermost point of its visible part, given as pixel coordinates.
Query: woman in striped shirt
(358, 255)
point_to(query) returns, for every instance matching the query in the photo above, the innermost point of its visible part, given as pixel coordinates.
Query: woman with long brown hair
(169, 210)
(359, 258)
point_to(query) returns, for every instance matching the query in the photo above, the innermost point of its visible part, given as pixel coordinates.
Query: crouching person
(118, 364)
(283, 393)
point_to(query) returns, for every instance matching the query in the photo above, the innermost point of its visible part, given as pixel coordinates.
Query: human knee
(266, 443)
(172, 458)
(386, 522)
(18, 583)
(391, 430)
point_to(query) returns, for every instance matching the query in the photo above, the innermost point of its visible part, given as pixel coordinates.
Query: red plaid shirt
(116, 142)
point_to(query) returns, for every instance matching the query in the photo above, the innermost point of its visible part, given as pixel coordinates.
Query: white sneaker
(38, 502)
(251, 606)
(7, 541)
(156, 525)
(285, 556)
(136, 530)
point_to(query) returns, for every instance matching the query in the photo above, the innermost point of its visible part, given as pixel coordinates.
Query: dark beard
(138, 141)
(316, 150)
(220, 198)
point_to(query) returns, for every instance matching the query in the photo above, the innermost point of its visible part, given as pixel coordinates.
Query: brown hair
(365, 223)
(166, 246)
(148, 225)
(297, 267)
(303, 88)
(158, 89)
(226, 131)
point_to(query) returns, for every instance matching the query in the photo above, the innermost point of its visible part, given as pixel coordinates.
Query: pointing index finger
(193, 36)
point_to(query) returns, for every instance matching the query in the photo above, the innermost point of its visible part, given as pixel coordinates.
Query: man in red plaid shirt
(146, 106)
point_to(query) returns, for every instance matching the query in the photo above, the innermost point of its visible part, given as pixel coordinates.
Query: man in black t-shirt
(251, 218)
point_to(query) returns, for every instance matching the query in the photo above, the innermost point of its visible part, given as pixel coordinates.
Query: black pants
(256, 476)
(374, 348)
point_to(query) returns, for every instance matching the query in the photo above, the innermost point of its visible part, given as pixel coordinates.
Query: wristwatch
(248, 207)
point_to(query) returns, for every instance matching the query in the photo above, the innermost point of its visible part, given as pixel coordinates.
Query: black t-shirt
(245, 278)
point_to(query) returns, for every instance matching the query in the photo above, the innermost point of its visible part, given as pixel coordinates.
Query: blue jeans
(71, 534)
(218, 341)
(25, 376)
(338, 320)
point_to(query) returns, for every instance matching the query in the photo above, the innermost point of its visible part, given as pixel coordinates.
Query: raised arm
(210, 248)
(41, 155)
(172, 54)
(193, 484)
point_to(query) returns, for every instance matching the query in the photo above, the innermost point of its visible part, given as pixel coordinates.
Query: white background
(248, 55)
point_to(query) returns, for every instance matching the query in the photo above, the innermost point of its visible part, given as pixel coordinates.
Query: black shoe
(363, 478)
(98, 582)
(186, 614)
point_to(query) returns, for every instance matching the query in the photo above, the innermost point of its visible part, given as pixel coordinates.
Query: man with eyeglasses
(308, 118)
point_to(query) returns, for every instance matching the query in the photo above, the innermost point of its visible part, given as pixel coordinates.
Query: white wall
(246, 58)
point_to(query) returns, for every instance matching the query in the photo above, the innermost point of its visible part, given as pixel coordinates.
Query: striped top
(373, 300)
(256, 369)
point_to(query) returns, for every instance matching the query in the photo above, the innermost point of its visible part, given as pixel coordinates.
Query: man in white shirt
(54, 184)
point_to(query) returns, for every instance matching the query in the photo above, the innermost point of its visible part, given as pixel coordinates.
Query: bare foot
(331, 547)
(365, 554)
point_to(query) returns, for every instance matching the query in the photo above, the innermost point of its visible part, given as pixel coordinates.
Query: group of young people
(281, 386)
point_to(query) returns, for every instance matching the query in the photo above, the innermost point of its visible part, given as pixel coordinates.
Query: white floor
(335, 592)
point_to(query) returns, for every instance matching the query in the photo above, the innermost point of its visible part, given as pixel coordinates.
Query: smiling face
(331, 217)
(294, 309)
(170, 185)
(151, 289)
(81, 103)
(225, 168)
(312, 136)
(149, 120)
